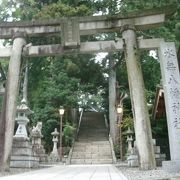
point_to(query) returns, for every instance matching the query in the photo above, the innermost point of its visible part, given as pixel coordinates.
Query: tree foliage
(57, 10)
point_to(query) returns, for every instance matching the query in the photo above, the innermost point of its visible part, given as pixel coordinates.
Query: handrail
(79, 124)
(68, 161)
(106, 122)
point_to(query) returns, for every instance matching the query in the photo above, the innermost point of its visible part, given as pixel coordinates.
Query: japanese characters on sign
(173, 85)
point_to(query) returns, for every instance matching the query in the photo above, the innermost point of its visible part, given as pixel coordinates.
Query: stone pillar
(171, 85)
(136, 84)
(112, 101)
(9, 105)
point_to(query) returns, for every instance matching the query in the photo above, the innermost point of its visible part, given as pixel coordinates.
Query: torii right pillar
(140, 112)
(171, 86)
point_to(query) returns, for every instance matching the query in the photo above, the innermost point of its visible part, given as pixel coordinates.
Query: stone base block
(24, 162)
(40, 151)
(22, 155)
(157, 149)
(22, 151)
(171, 166)
(133, 161)
(43, 158)
(23, 144)
(160, 158)
(53, 158)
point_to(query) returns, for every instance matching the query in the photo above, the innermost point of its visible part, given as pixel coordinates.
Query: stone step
(95, 136)
(94, 132)
(93, 146)
(90, 139)
(86, 151)
(104, 153)
(91, 150)
(92, 143)
(91, 156)
(91, 161)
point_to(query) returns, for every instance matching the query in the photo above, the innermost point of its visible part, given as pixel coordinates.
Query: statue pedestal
(39, 148)
(133, 161)
(22, 154)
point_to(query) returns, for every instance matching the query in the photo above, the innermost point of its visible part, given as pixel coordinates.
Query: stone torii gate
(71, 29)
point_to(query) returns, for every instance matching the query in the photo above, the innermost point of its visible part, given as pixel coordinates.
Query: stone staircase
(92, 146)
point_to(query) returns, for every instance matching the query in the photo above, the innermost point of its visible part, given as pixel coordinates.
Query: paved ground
(71, 172)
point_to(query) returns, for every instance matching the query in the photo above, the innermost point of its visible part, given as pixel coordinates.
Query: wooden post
(112, 101)
(9, 106)
(136, 84)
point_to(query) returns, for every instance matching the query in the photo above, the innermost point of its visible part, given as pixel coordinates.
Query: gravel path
(158, 174)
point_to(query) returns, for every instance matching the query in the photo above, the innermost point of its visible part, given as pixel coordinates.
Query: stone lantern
(129, 133)
(22, 155)
(54, 156)
(22, 120)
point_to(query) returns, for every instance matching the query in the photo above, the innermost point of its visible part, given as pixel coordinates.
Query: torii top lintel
(88, 25)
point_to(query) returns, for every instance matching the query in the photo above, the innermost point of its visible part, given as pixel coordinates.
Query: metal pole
(60, 139)
(120, 139)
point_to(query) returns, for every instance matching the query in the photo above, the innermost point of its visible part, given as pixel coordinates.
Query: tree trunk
(9, 105)
(141, 117)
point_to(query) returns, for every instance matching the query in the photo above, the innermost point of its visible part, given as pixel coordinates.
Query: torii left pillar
(9, 103)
